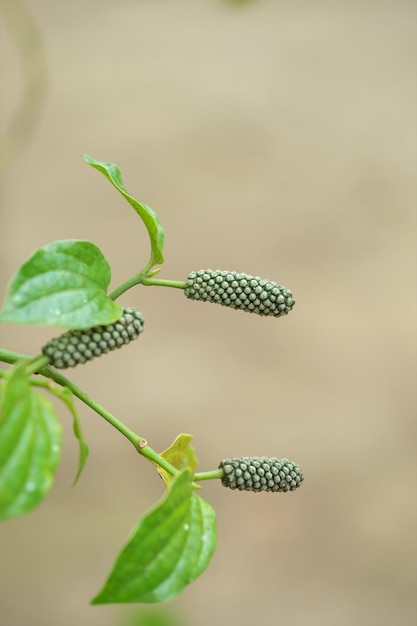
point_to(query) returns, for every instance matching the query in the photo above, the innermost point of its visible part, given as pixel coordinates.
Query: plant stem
(161, 282)
(153, 456)
(128, 284)
(143, 278)
(137, 279)
(217, 473)
(39, 363)
(49, 372)
(7, 356)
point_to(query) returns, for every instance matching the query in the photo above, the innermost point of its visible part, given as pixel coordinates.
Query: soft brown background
(276, 138)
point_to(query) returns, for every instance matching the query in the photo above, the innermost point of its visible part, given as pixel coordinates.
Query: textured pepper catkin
(79, 346)
(239, 291)
(259, 473)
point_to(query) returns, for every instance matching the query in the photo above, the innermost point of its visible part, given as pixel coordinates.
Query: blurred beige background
(276, 138)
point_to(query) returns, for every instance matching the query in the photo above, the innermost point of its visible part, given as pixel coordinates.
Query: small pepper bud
(240, 291)
(252, 473)
(79, 346)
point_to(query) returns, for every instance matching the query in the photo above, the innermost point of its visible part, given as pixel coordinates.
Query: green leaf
(180, 454)
(30, 444)
(64, 394)
(148, 216)
(171, 546)
(64, 284)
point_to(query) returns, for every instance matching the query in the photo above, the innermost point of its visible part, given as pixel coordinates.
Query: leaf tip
(96, 600)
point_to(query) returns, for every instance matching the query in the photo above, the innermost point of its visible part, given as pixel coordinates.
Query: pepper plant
(65, 284)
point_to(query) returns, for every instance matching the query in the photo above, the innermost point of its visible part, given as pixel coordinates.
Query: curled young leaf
(65, 394)
(148, 215)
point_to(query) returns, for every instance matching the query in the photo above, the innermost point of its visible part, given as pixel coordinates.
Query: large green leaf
(64, 284)
(171, 546)
(148, 216)
(30, 444)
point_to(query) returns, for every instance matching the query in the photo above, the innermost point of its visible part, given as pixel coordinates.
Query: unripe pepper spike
(240, 291)
(261, 474)
(79, 346)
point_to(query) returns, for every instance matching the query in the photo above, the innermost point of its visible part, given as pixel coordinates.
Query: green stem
(37, 364)
(161, 282)
(212, 474)
(137, 279)
(153, 456)
(143, 278)
(128, 284)
(7, 356)
(49, 372)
